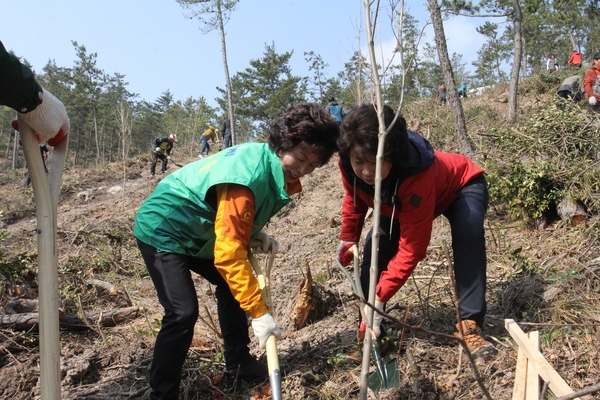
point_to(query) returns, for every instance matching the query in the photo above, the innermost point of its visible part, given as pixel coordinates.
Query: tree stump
(571, 211)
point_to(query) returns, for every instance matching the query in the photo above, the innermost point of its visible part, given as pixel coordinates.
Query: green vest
(177, 218)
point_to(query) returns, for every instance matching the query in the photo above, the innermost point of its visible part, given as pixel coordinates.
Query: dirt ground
(95, 240)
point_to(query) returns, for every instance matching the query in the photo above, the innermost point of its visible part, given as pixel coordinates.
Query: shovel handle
(263, 278)
(45, 204)
(273, 367)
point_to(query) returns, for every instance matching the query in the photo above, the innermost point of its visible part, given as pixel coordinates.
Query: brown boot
(478, 347)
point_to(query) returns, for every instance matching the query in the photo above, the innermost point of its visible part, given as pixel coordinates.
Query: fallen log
(30, 321)
(22, 305)
(109, 287)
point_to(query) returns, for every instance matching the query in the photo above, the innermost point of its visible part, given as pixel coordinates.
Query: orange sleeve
(233, 227)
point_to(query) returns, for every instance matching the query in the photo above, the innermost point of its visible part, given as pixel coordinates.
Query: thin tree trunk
(76, 155)
(373, 272)
(96, 136)
(455, 104)
(514, 75)
(15, 155)
(11, 133)
(230, 113)
(524, 55)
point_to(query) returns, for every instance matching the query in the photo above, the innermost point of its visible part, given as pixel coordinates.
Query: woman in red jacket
(418, 185)
(591, 84)
(575, 59)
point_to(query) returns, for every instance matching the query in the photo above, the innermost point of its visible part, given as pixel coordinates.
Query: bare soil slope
(96, 214)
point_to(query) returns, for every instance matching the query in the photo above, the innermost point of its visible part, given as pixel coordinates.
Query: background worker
(210, 134)
(226, 132)
(202, 217)
(441, 94)
(591, 84)
(44, 154)
(552, 64)
(335, 110)
(569, 89)
(462, 91)
(575, 59)
(161, 149)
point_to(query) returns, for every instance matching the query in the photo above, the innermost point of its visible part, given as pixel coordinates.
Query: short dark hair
(597, 56)
(360, 128)
(307, 125)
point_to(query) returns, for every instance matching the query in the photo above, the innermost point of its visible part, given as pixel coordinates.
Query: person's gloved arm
(268, 242)
(263, 327)
(18, 88)
(592, 100)
(49, 120)
(344, 254)
(377, 318)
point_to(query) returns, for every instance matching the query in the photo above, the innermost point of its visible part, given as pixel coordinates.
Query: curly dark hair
(307, 125)
(360, 129)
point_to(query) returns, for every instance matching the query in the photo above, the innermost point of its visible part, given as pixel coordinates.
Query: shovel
(386, 374)
(176, 164)
(46, 190)
(264, 282)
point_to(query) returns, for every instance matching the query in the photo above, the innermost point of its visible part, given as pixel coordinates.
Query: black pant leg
(466, 216)
(153, 165)
(172, 279)
(232, 319)
(388, 247)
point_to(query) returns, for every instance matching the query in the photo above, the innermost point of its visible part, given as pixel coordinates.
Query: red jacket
(421, 194)
(588, 82)
(575, 58)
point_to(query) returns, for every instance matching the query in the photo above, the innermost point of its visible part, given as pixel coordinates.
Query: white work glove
(157, 150)
(263, 327)
(592, 100)
(168, 157)
(344, 254)
(267, 242)
(377, 318)
(49, 120)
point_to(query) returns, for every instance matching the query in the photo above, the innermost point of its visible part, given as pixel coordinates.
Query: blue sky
(157, 48)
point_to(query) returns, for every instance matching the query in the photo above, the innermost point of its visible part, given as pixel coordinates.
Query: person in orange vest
(575, 59)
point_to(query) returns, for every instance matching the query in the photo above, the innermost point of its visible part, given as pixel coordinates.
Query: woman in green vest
(202, 217)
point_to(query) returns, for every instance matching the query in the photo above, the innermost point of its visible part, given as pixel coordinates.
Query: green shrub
(550, 156)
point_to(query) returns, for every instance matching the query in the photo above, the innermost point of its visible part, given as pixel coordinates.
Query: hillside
(544, 279)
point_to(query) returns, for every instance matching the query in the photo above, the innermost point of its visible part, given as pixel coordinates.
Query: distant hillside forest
(109, 123)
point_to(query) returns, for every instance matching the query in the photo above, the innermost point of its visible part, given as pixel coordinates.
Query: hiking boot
(478, 347)
(253, 370)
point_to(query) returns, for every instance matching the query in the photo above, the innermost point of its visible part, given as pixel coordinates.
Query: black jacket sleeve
(18, 88)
